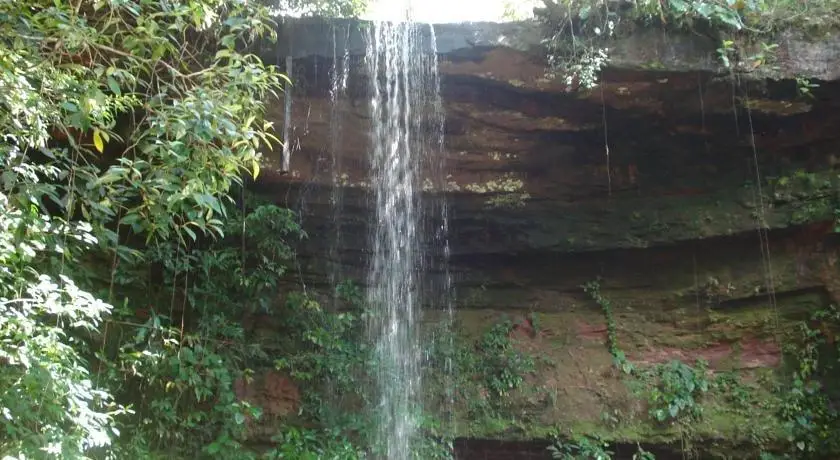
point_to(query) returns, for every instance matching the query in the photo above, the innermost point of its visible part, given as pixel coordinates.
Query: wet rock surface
(648, 158)
(702, 200)
(801, 53)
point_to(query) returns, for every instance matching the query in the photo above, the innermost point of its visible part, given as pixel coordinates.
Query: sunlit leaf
(189, 233)
(680, 6)
(97, 141)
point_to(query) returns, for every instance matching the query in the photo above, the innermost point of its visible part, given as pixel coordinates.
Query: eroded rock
(702, 200)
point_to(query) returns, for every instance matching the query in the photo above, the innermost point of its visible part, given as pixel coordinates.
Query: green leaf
(584, 12)
(115, 87)
(158, 52)
(189, 232)
(228, 41)
(729, 18)
(703, 10)
(680, 6)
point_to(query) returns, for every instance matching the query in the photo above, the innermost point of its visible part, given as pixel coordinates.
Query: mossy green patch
(575, 388)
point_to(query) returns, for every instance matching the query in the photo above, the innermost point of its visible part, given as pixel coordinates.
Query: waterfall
(437, 251)
(406, 139)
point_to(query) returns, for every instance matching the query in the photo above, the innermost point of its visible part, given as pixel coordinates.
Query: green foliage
(126, 122)
(812, 196)
(672, 389)
(501, 365)
(124, 126)
(334, 368)
(589, 448)
(807, 411)
(593, 288)
(162, 88)
(740, 396)
(804, 86)
(677, 389)
(771, 456)
(190, 405)
(580, 448)
(323, 8)
(187, 369)
(578, 31)
(642, 454)
(50, 403)
(307, 444)
(722, 13)
(756, 16)
(329, 357)
(483, 376)
(576, 49)
(249, 275)
(726, 53)
(433, 444)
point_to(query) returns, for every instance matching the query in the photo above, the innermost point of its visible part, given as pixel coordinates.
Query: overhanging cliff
(702, 199)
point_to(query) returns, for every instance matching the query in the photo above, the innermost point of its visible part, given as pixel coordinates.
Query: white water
(406, 136)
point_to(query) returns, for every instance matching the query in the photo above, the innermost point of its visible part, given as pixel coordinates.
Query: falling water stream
(406, 140)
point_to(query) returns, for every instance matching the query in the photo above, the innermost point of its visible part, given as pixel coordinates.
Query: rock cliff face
(702, 200)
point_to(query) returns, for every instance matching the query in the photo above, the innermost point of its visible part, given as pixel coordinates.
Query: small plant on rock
(580, 448)
(807, 411)
(677, 390)
(593, 288)
(504, 367)
(642, 454)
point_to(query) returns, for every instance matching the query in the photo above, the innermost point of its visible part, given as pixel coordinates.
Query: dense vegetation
(131, 257)
(578, 32)
(126, 264)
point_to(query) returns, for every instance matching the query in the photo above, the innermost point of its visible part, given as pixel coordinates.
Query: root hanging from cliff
(703, 112)
(736, 82)
(761, 222)
(606, 138)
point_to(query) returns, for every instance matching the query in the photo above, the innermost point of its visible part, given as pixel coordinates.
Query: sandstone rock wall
(702, 201)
